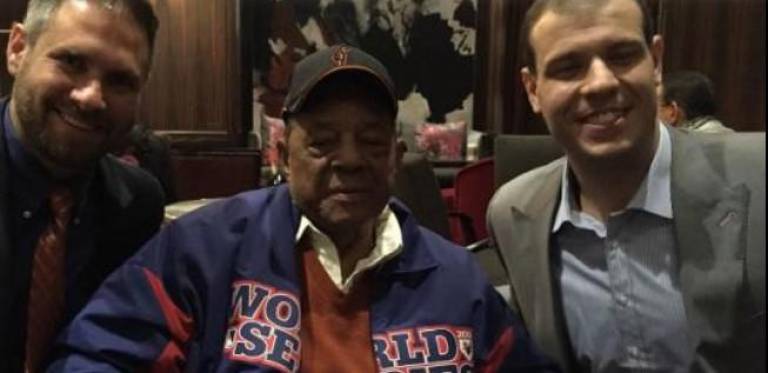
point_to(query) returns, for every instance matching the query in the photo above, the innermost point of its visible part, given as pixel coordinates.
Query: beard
(57, 154)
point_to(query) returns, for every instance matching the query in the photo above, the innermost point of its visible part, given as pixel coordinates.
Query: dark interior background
(196, 88)
(199, 95)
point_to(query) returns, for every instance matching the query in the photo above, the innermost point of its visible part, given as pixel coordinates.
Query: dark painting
(428, 46)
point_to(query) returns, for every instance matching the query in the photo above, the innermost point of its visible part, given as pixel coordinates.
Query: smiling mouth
(604, 118)
(76, 123)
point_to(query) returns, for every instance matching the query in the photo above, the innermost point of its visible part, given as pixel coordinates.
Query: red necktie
(47, 286)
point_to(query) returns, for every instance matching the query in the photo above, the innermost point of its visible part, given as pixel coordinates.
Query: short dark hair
(539, 7)
(691, 90)
(39, 13)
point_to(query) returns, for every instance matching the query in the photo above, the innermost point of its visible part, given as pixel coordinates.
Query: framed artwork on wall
(428, 46)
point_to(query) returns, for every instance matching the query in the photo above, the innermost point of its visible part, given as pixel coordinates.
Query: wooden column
(194, 88)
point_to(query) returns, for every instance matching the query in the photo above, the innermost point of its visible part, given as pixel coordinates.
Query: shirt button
(76, 221)
(633, 351)
(622, 300)
(26, 214)
(639, 353)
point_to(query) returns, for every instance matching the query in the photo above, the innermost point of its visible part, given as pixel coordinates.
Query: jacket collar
(415, 256)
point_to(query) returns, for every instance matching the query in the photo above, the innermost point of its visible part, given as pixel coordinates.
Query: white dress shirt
(389, 243)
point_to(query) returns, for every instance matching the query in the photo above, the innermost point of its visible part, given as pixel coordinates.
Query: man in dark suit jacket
(643, 249)
(78, 68)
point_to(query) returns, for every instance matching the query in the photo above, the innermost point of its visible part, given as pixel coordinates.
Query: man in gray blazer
(643, 249)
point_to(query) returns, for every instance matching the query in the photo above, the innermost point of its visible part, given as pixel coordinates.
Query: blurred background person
(143, 148)
(687, 100)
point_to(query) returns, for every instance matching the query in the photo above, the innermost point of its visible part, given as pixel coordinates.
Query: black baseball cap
(333, 60)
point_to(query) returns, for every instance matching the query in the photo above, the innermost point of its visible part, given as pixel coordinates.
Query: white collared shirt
(389, 243)
(621, 294)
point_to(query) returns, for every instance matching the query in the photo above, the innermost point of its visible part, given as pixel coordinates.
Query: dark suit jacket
(129, 204)
(718, 200)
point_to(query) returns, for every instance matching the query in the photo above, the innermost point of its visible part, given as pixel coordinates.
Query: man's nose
(600, 78)
(89, 95)
(349, 154)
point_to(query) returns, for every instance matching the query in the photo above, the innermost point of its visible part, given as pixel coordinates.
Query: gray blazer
(718, 199)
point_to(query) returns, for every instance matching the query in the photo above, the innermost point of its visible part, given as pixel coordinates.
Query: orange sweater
(335, 327)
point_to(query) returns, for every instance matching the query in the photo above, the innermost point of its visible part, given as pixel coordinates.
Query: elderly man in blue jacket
(324, 274)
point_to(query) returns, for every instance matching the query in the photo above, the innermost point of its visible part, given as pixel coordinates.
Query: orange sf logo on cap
(340, 56)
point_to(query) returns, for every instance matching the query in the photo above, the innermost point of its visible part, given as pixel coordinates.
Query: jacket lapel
(6, 283)
(109, 197)
(710, 223)
(530, 265)
(5, 242)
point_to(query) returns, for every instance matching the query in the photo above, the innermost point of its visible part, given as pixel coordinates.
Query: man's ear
(678, 114)
(400, 148)
(17, 48)
(283, 158)
(529, 82)
(657, 52)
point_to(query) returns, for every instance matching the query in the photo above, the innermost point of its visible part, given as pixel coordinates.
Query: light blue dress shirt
(621, 295)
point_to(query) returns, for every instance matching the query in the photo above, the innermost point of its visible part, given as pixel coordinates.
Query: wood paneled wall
(724, 39)
(498, 93)
(194, 85)
(10, 11)
(225, 173)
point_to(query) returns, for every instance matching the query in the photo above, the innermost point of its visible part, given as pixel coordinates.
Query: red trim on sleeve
(499, 352)
(178, 323)
(170, 361)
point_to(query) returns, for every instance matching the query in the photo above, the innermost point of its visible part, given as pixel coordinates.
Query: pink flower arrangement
(442, 141)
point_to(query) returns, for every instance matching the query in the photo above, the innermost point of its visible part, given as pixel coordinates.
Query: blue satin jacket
(218, 290)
